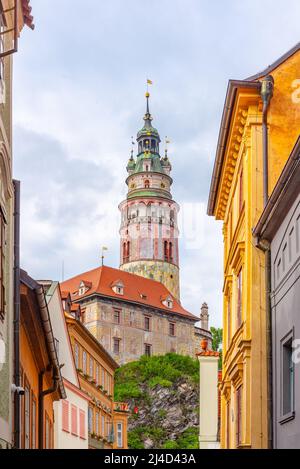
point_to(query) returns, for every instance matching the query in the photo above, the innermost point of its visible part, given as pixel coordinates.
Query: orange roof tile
(64, 295)
(136, 289)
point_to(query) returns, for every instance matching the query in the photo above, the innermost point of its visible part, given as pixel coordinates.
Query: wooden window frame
(116, 340)
(33, 421)
(239, 416)
(172, 329)
(27, 386)
(147, 323)
(117, 316)
(77, 355)
(91, 365)
(120, 444)
(149, 348)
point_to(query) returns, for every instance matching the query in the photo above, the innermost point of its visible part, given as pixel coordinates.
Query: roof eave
(233, 86)
(275, 64)
(191, 316)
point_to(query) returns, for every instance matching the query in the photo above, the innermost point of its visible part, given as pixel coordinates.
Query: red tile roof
(28, 18)
(64, 295)
(136, 289)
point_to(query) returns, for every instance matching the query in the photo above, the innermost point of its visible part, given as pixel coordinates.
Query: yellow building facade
(237, 198)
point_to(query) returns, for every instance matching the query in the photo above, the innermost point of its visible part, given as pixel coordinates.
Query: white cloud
(79, 88)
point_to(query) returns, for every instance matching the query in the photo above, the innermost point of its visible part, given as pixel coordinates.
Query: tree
(217, 338)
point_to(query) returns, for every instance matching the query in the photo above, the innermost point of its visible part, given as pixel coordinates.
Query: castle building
(149, 231)
(136, 310)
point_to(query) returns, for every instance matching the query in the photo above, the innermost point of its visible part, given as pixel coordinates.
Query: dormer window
(83, 287)
(168, 302)
(118, 287)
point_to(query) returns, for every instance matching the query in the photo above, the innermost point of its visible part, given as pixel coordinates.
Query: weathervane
(104, 248)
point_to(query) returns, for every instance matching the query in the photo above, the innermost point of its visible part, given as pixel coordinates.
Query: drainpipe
(266, 95)
(17, 383)
(42, 394)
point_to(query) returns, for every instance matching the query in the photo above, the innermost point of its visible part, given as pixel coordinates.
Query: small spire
(147, 100)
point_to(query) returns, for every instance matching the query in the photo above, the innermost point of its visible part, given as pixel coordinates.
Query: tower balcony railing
(148, 219)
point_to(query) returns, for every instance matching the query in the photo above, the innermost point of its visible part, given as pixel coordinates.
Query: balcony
(95, 442)
(121, 407)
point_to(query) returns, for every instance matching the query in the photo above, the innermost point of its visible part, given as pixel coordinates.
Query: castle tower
(149, 232)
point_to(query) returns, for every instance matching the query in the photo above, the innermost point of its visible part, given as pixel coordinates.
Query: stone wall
(99, 319)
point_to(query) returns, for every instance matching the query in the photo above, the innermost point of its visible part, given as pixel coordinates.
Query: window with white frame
(84, 361)
(120, 435)
(97, 374)
(91, 368)
(287, 377)
(90, 420)
(76, 355)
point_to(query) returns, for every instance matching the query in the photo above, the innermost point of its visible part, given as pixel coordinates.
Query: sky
(79, 85)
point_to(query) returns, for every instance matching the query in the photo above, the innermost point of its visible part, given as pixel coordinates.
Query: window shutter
(74, 420)
(82, 424)
(65, 416)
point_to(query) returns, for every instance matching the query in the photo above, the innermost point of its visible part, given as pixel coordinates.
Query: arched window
(166, 253)
(124, 252)
(128, 249)
(170, 251)
(147, 184)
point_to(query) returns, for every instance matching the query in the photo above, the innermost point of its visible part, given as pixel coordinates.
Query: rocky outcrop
(165, 414)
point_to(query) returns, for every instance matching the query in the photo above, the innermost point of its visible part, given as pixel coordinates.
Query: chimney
(204, 316)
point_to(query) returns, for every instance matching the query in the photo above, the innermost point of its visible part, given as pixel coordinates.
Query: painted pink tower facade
(149, 231)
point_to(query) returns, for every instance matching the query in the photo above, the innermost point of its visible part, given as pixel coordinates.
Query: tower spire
(147, 100)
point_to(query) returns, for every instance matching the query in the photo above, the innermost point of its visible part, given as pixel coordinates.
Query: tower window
(170, 251)
(147, 184)
(166, 250)
(126, 251)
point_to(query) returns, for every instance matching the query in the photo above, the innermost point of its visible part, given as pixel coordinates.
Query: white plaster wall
(208, 422)
(61, 333)
(62, 439)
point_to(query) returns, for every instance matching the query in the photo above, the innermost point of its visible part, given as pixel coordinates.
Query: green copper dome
(148, 131)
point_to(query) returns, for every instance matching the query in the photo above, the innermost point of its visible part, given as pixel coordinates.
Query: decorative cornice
(240, 95)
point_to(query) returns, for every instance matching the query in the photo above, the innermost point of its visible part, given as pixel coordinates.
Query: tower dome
(149, 232)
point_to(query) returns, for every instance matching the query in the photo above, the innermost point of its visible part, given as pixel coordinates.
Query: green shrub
(189, 439)
(165, 383)
(170, 444)
(125, 391)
